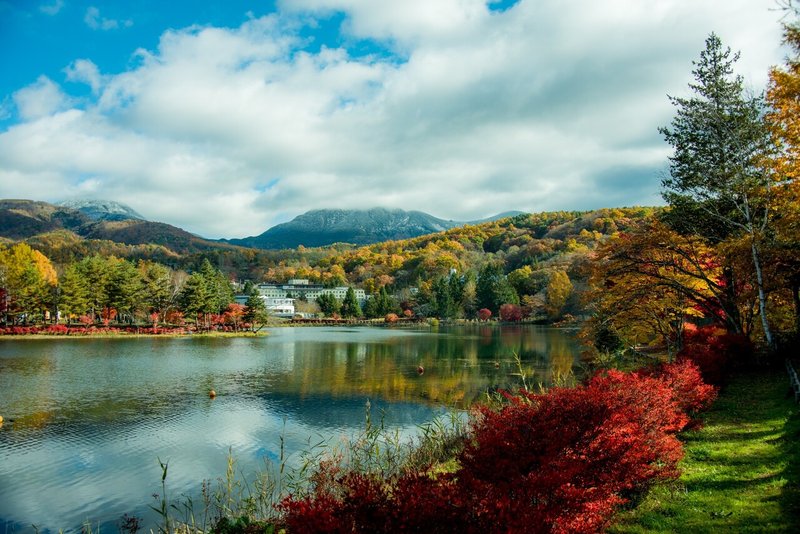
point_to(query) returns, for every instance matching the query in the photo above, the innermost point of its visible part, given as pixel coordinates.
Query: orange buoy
(497, 365)
(212, 393)
(1, 420)
(420, 369)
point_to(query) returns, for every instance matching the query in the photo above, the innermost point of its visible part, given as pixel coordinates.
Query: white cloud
(84, 71)
(93, 19)
(52, 8)
(40, 99)
(547, 105)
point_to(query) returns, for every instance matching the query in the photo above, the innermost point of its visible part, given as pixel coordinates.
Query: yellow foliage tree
(783, 119)
(559, 289)
(27, 279)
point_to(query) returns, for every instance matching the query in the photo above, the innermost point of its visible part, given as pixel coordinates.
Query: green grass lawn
(741, 472)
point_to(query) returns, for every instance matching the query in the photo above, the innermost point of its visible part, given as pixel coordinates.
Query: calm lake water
(88, 419)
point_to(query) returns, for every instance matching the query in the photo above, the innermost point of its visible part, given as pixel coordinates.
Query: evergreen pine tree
(350, 307)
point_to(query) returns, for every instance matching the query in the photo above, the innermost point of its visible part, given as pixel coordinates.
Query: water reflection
(86, 420)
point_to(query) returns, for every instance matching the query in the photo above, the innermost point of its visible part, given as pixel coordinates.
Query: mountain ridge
(24, 219)
(322, 227)
(102, 210)
(113, 221)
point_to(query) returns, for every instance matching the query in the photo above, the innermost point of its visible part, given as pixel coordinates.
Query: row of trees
(726, 251)
(544, 294)
(99, 288)
(349, 307)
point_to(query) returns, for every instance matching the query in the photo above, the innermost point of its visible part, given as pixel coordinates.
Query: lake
(87, 420)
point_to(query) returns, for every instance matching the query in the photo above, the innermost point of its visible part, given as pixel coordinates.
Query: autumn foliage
(556, 462)
(510, 313)
(715, 352)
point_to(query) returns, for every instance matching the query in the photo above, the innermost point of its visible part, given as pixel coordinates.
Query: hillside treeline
(528, 265)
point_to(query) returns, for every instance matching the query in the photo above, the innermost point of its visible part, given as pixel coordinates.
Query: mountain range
(109, 221)
(323, 227)
(113, 221)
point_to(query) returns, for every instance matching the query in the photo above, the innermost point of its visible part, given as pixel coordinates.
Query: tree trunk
(733, 319)
(762, 299)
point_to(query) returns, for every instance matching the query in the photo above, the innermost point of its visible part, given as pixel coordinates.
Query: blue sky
(45, 37)
(225, 118)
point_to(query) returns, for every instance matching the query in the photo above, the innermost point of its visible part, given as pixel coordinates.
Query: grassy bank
(741, 472)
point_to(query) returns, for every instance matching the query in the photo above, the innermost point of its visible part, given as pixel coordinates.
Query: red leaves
(510, 313)
(715, 353)
(56, 329)
(689, 390)
(556, 462)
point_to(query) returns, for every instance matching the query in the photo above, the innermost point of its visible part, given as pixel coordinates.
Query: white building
(280, 307)
(276, 306)
(301, 288)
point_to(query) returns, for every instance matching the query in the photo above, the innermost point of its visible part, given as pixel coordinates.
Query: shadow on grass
(738, 484)
(735, 479)
(790, 445)
(742, 435)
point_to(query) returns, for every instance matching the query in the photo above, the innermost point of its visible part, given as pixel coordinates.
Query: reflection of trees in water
(562, 352)
(387, 371)
(459, 364)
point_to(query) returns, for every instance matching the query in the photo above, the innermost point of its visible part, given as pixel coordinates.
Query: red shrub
(689, 391)
(564, 460)
(556, 462)
(57, 329)
(484, 314)
(421, 503)
(21, 330)
(356, 502)
(391, 318)
(510, 313)
(312, 514)
(175, 317)
(715, 352)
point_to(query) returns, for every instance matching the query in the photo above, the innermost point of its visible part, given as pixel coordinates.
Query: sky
(226, 118)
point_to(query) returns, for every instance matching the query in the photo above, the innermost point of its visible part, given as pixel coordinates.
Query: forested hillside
(535, 264)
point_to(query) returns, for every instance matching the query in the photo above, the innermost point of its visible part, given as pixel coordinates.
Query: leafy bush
(510, 313)
(564, 460)
(556, 462)
(715, 352)
(57, 329)
(689, 391)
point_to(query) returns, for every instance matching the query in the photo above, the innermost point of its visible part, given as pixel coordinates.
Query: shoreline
(129, 335)
(113, 332)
